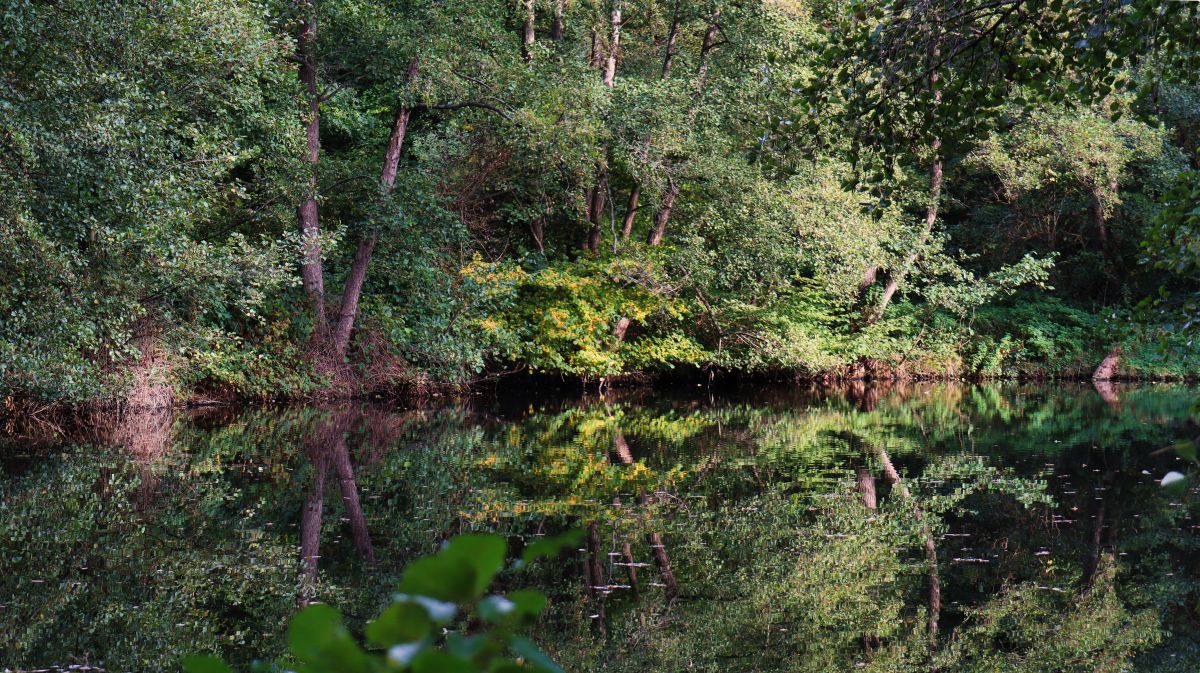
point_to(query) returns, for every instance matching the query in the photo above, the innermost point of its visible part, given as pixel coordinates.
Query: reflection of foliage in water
(775, 562)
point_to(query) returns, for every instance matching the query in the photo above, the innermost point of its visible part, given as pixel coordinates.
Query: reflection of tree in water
(327, 448)
(755, 530)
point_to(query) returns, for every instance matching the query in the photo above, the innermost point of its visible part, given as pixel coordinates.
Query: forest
(236, 199)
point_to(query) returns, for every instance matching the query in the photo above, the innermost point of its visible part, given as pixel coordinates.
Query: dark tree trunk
(706, 47)
(672, 39)
(599, 588)
(352, 294)
(311, 275)
(350, 500)
(537, 229)
(596, 202)
(556, 27)
(630, 211)
(662, 216)
(934, 581)
(366, 247)
(529, 36)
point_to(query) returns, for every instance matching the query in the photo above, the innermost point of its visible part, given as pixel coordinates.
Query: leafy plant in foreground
(441, 619)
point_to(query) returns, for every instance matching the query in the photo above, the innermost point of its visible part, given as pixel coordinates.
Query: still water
(918, 527)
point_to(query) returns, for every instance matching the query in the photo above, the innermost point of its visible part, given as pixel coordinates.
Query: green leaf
(440, 578)
(529, 602)
(483, 553)
(205, 663)
(400, 623)
(433, 661)
(318, 637)
(532, 655)
(552, 546)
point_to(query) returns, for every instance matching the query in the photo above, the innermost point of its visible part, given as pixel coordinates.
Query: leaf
(317, 637)
(483, 553)
(205, 663)
(401, 623)
(433, 661)
(538, 659)
(529, 602)
(552, 546)
(440, 578)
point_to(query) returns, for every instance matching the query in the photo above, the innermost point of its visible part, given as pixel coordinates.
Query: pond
(908, 527)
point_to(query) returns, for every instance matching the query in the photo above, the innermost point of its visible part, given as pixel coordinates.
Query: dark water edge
(132, 539)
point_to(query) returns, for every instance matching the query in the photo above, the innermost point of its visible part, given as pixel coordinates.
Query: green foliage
(407, 635)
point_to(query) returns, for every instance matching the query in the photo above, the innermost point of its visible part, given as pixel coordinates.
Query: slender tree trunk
(529, 33)
(672, 39)
(366, 247)
(596, 199)
(311, 275)
(931, 558)
(865, 483)
(662, 216)
(599, 587)
(630, 567)
(310, 520)
(931, 210)
(706, 47)
(537, 229)
(350, 500)
(610, 64)
(655, 540)
(556, 27)
(631, 211)
(596, 202)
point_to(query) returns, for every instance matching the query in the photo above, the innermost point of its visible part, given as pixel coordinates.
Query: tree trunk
(870, 275)
(672, 39)
(630, 211)
(621, 328)
(350, 500)
(865, 483)
(596, 579)
(556, 27)
(1108, 366)
(352, 294)
(595, 213)
(311, 516)
(366, 247)
(630, 567)
(931, 559)
(311, 275)
(663, 215)
(537, 228)
(610, 65)
(931, 210)
(655, 540)
(529, 36)
(706, 46)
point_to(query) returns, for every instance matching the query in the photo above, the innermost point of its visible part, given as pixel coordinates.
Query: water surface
(919, 527)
